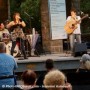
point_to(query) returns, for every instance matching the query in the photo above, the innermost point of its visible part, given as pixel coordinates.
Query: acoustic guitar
(71, 26)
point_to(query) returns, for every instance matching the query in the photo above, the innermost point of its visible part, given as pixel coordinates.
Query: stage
(61, 61)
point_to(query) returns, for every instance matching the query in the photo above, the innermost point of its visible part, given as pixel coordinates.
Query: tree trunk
(49, 45)
(3, 10)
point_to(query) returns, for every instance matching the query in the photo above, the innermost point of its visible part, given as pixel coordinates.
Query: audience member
(4, 33)
(7, 67)
(84, 63)
(49, 65)
(29, 80)
(6, 23)
(29, 77)
(55, 80)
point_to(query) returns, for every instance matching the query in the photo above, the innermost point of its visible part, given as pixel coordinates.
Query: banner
(57, 13)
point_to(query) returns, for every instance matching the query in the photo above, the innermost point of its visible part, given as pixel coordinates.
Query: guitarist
(76, 34)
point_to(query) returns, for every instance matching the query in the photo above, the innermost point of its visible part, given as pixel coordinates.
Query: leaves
(85, 7)
(31, 7)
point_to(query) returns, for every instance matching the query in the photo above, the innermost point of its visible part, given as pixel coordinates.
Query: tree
(30, 10)
(15, 6)
(31, 7)
(85, 7)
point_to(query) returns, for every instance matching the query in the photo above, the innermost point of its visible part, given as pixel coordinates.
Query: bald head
(2, 47)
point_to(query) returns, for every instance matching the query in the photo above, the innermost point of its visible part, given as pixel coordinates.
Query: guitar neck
(84, 17)
(81, 19)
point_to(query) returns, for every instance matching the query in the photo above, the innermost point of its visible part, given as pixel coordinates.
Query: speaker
(80, 49)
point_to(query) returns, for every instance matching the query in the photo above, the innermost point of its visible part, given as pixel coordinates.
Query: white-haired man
(84, 63)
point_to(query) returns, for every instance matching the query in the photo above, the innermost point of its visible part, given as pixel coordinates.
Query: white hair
(85, 61)
(54, 77)
(85, 57)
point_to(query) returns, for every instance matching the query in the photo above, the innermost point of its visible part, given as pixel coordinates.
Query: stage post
(3, 10)
(49, 45)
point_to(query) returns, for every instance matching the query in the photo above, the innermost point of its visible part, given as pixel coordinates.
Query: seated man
(7, 67)
(29, 79)
(4, 33)
(49, 65)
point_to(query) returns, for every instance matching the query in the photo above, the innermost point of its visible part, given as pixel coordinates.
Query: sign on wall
(57, 12)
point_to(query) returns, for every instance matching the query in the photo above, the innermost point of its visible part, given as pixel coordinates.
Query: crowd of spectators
(52, 79)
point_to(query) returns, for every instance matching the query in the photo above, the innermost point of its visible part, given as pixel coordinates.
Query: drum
(8, 49)
(5, 37)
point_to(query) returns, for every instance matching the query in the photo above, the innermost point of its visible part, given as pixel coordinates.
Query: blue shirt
(7, 66)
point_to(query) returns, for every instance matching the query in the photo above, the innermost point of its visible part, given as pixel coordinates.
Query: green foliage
(15, 6)
(85, 7)
(31, 7)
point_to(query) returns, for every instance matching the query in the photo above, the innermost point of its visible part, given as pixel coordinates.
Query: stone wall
(52, 46)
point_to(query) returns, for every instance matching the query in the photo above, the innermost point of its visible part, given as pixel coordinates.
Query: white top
(4, 31)
(76, 31)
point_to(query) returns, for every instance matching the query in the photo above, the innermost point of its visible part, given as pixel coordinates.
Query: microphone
(20, 20)
(27, 14)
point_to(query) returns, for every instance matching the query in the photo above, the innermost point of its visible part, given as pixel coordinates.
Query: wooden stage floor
(61, 61)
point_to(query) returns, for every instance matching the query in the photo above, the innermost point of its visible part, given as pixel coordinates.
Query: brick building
(53, 46)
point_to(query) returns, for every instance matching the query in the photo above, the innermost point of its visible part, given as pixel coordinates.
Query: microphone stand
(20, 32)
(29, 19)
(30, 29)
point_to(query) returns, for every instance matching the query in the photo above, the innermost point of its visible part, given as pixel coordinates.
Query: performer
(16, 27)
(74, 31)
(3, 32)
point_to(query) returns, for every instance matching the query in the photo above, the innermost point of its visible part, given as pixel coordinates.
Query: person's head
(49, 64)
(85, 61)
(29, 77)
(73, 12)
(16, 16)
(2, 26)
(6, 23)
(2, 47)
(54, 78)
